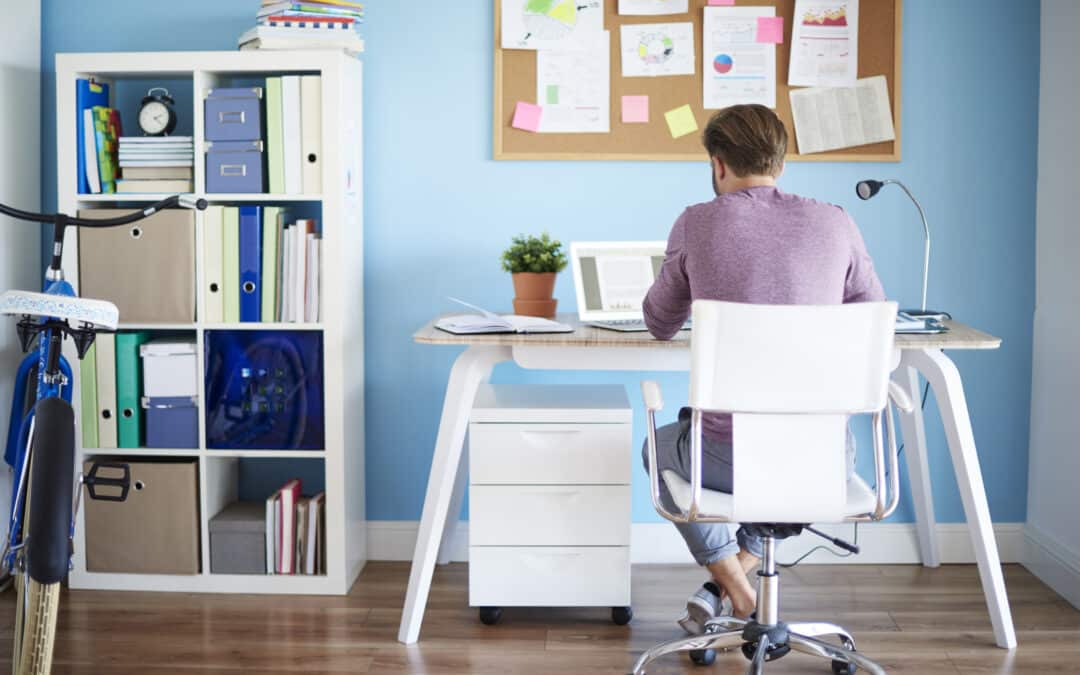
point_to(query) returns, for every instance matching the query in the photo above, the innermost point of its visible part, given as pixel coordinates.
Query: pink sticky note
(635, 109)
(770, 29)
(527, 117)
(722, 3)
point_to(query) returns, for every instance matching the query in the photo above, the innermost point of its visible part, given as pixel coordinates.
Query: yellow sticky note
(681, 121)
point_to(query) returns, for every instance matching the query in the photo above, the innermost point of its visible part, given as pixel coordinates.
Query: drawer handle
(232, 117)
(230, 170)
(550, 432)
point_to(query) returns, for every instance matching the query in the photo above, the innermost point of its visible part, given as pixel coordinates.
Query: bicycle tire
(35, 649)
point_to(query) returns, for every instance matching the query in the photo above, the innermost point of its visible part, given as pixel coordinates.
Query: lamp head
(866, 189)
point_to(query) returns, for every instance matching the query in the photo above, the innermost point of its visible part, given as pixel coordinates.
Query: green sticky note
(553, 94)
(681, 121)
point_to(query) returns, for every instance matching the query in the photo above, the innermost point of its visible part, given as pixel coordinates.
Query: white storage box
(169, 369)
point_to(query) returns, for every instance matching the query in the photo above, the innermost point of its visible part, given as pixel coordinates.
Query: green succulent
(534, 254)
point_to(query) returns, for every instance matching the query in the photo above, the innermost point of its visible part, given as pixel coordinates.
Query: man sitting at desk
(753, 243)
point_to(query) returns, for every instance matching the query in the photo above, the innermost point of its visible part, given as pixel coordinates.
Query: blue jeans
(708, 542)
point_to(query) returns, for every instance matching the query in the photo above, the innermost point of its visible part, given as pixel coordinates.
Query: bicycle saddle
(98, 313)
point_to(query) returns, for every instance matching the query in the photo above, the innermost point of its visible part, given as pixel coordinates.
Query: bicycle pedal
(94, 482)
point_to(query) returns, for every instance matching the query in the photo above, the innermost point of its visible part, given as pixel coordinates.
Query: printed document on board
(737, 68)
(829, 118)
(549, 24)
(825, 43)
(657, 49)
(653, 7)
(573, 85)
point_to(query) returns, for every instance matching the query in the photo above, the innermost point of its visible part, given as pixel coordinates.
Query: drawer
(558, 454)
(549, 576)
(549, 515)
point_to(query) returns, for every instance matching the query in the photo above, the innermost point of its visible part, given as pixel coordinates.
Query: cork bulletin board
(515, 80)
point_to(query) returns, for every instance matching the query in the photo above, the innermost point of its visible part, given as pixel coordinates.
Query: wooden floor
(913, 620)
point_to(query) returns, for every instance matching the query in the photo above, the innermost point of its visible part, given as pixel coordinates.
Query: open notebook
(489, 322)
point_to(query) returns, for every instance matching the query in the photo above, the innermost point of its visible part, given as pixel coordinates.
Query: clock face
(154, 118)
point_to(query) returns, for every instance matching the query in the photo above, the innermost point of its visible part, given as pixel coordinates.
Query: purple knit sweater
(762, 246)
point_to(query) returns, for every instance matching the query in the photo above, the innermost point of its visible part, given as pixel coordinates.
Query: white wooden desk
(597, 349)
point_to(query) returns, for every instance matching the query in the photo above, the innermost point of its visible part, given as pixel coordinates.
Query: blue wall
(439, 210)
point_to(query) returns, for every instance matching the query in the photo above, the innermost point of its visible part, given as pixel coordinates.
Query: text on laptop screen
(616, 280)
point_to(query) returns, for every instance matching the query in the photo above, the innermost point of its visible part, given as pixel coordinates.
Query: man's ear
(719, 168)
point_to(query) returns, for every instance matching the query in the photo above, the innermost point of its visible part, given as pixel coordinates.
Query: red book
(290, 495)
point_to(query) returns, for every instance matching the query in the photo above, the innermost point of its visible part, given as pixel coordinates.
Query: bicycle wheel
(46, 531)
(38, 604)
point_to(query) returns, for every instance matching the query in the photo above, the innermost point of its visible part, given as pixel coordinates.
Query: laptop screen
(612, 278)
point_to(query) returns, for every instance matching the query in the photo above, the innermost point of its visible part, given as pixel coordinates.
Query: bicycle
(41, 438)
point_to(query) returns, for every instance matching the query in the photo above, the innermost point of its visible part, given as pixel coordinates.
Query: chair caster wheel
(489, 616)
(703, 657)
(621, 616)
(844, 668)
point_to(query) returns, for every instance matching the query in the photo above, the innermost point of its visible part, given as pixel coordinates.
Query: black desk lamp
(868, 188)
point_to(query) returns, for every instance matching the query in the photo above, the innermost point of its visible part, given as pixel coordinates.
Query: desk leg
(943, 376)
(918, 466)
(470, 370)
(453, 515)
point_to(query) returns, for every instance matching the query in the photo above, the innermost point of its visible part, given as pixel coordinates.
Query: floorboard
(911, 619)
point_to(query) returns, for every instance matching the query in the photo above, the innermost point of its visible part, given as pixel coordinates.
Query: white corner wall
(20, 182)
(1052, 532)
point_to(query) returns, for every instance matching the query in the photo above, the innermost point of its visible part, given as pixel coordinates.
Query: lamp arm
(926, 230)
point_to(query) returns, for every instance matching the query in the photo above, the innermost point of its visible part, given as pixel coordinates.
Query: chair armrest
(899, 397)
(650, 391)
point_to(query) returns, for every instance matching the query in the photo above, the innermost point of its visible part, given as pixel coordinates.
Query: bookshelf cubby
(337, 466)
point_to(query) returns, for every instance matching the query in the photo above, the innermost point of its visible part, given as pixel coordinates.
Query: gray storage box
(234, 114)
(171, 422)
(234, 166)
(238, 539)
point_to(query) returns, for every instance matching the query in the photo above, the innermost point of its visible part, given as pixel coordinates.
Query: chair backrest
(791, 375)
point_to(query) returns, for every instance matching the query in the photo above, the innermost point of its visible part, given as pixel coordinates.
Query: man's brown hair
(750, 139)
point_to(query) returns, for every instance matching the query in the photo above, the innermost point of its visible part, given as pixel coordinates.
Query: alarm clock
(157, 117)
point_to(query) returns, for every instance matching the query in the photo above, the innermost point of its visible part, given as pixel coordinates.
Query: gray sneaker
(703, 606)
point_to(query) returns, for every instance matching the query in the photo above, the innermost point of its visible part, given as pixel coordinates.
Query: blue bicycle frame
(18, 440)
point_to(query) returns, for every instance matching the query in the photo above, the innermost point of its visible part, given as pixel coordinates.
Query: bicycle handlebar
(183, 201)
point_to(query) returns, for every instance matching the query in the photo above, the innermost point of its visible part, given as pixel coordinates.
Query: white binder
(106, 389)
(290, 123)
(311, 133)
(213, 241)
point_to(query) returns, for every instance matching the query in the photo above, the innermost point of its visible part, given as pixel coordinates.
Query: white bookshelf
(341, 323)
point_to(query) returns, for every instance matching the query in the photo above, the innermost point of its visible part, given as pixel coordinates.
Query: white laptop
(611, 279)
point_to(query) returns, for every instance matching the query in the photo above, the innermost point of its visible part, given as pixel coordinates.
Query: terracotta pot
(534, 285)
(533, 292)
(544, 309)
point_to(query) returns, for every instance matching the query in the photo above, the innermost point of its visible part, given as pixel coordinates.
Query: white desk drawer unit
(549, 498)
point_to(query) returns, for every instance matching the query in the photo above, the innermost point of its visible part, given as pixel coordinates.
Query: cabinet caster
(843, 667)
(703, 657)
(621, 616)
(489, 616)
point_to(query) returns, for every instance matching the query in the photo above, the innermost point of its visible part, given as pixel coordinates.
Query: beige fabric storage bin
(147, 268)
(156, 530)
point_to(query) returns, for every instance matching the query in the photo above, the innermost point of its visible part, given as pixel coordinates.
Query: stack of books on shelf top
(307, 24)
(156, 164)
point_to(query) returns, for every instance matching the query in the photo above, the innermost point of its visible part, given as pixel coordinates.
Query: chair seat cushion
(718, 506)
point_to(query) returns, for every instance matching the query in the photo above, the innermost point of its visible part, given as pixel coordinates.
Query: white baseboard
(881, 543)
(1054, 564)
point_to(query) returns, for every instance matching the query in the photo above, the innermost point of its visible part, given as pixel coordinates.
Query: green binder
(230, 265)
(88, 398)
(275, 137)
(129, 389)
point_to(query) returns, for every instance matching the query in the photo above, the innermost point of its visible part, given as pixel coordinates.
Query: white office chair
(790, 376)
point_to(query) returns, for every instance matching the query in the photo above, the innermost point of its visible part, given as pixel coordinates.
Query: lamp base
(927, 314)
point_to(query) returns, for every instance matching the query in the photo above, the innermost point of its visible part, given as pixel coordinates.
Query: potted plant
(533, 263)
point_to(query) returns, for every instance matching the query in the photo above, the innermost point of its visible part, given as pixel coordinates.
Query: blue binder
(87, 95)
(250, 261)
